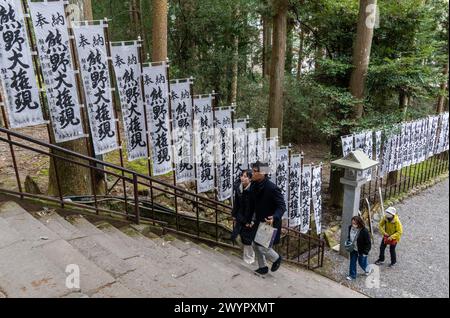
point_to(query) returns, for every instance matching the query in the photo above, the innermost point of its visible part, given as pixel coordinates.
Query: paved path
(423, 253)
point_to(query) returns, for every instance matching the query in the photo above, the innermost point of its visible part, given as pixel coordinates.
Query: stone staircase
(37, 247)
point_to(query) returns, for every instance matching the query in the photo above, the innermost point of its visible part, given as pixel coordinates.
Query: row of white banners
(408, 143)
(203, 144)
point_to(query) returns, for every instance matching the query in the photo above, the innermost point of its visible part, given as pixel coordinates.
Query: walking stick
(370, 220)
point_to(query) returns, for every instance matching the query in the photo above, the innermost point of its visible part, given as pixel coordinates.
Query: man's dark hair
(259, 166)
(248, 172)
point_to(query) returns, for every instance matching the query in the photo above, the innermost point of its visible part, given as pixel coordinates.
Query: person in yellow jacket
(392, 230)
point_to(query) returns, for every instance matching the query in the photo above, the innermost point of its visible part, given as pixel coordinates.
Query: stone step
(59, 225)
(61, 253)
(203, 280)
(24, 272)
(8, 235)
(24, 223)
(116, 247)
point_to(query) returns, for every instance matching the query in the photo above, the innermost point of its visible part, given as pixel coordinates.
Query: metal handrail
(155, 184)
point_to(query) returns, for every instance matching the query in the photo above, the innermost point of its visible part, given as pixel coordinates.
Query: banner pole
(115, 105)
(83, 113)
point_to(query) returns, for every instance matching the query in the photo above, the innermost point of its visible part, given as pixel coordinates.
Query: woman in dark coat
(359, 235)
(241, 209)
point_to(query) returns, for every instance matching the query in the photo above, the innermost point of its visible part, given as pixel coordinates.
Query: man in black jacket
(267, 205)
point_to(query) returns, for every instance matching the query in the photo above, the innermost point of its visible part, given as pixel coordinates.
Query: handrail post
(136, 198)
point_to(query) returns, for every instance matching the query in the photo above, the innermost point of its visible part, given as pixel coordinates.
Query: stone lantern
(355, 164)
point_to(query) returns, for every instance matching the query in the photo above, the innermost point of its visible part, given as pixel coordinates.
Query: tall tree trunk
(275, 115)
(443, 91)
(234, 70)
(361, 54)
(289, 45)
(87, 10)
(159, 30)
(74, 179)
(300, 54)
(267, 45)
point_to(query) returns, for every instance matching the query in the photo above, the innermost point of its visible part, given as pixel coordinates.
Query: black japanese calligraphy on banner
(156, 92)
(360, 141)
(17, 76)
(204, 143)
(416, 139)
(52, 37)
(93, 59)
(423, 139)
(128, 77)
(347, 144)
(377, 145)
(261, 153)
(272, 146)
(282, 173)
(240, 148)
(223, 129)
(368, 150)
(305, 198)
(443, 133)
(252, 143)
(181, 101)
(316, 197)
(294, 191)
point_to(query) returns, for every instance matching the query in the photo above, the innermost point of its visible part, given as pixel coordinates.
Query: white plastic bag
(249, 254)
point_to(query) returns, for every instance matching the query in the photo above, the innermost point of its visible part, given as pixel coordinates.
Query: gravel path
(422, 255)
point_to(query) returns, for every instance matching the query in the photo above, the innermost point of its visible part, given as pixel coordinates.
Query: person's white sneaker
(349, 278)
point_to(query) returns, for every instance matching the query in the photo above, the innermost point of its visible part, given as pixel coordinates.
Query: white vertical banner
(128, 77)
(316, 196)
(405, 143)
(93, 59)
(282, 173)
(17, 76)
(294, 190)
(347, 144)
(444, 130)
(204, 143)
(416, 139)
(252, 143)
(224, 152)
(446, 120)
(368, 150)
(378, 135)
(305, 198)
(261, 153)
(435, 134)
(272, 157)
(240, 147)
(181, 102)
(393, 155)
(410, 146)
(52, 37)
(156, 92)
(431, 136)
(423, 139)
(385, 153)
(360, 141)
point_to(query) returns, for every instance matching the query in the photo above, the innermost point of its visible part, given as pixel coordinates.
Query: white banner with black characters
(128, 77)
(240, 147)
(252, 143)
(17, 76)
(431, 135)
(305, 198)
(347, 144)
(443, 135)
(360, 141)
(294, 190)
(410, 144)
(52, 37)
(272, 158)
(316, 197)
(181, 102)
(423, 140)
(156, 96)
(282, 173)
(385, 156)
(261, 153)
(405, 143)
(93, 58)
(204, 143)
(377, 154)
(416, 145)
(368, 150)
(224, 152)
